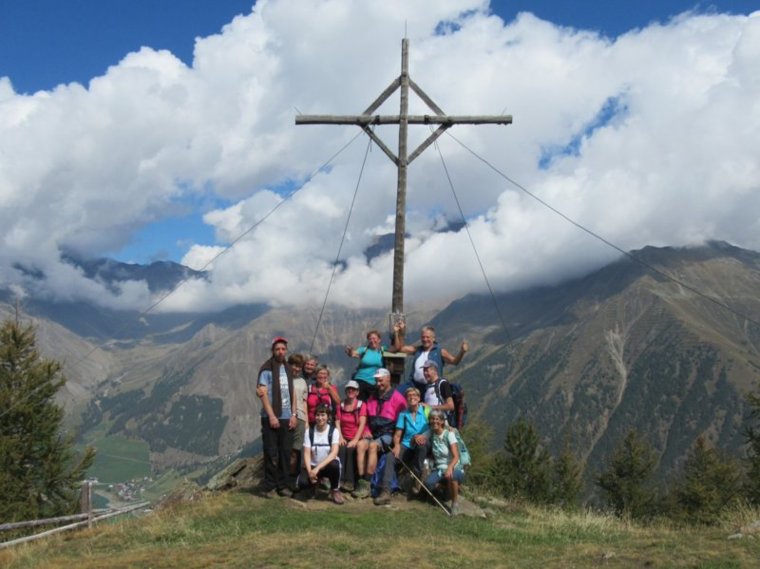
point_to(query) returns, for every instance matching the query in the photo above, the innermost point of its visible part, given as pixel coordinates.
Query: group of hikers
(311, 435)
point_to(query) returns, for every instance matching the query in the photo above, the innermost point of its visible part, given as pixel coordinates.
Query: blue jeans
(384, 447)
(437, 476)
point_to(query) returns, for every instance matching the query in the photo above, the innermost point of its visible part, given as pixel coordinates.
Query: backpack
(377, 478)
(314, 390)
(464, 453)
(355, 412)
(458, 417)
(329, 436)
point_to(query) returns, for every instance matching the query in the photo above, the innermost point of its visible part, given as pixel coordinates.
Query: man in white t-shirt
(437, 394)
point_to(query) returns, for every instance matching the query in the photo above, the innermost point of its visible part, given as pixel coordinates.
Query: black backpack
(329, 436)
(458, 417)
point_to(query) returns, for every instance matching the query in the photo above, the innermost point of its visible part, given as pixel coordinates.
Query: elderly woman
(410, 438)
(321, 392)
(446, 466)
(370, 360)
(310, 363)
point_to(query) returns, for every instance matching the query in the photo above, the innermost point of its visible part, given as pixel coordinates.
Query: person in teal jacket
(370, 360)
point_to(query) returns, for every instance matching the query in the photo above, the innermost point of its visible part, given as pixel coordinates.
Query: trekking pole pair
(422, 484)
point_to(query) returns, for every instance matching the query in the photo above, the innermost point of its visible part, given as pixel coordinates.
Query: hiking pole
(422, 484)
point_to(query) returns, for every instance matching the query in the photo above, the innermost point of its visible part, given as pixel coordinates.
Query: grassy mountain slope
(239, 530)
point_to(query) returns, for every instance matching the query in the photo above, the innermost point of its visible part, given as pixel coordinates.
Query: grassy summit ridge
(240, 530)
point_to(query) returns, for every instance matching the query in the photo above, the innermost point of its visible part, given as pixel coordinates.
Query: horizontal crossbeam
(364, 120)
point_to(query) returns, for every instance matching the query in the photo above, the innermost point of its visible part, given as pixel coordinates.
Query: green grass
(240, 530)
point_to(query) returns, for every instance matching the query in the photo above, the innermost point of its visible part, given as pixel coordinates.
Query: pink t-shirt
(389, 409)
(349, 420)
(317, 395)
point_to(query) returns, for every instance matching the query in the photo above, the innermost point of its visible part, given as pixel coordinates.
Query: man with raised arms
(428, 349)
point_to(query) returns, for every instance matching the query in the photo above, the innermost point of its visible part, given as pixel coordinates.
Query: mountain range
(664, 340)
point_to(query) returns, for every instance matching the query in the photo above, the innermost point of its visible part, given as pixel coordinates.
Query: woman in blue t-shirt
(370, 360)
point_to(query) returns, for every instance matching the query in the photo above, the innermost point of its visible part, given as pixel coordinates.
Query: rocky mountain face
(585, 361)
(622, 348)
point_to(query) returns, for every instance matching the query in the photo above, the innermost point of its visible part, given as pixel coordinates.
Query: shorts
(437, 476)
(383, 441)
(298, 435)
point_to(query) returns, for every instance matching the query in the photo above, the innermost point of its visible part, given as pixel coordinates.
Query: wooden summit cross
(402, 161)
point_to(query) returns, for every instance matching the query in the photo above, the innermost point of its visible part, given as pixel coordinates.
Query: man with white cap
(278, 418)
(383, 409)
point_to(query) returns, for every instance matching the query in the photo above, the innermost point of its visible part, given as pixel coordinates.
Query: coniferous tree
(566, 482)
(752, 436)
(483, 472)
(709, 484)
(625, 482)
(38, 475)
(527, 465)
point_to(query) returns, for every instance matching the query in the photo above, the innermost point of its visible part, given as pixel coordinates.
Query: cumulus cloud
(647, 139)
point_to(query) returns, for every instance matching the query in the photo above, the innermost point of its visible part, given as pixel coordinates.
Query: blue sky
(224, 175)
(47, 42)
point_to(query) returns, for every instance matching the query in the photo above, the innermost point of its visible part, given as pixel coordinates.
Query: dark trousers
(348, 460)
(414, 457)
(365, 390)
(331, 471)
(277, 444)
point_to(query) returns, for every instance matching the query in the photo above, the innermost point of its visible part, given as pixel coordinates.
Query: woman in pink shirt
(322, 391)
(354, 436)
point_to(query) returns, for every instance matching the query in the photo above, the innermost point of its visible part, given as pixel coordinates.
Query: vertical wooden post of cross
(402, 160)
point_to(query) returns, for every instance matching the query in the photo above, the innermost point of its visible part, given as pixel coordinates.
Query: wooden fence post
(85, 501)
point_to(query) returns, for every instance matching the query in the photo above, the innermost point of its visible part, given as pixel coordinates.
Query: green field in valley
(118, 459)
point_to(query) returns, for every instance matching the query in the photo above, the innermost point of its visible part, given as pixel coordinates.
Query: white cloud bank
(648, 139)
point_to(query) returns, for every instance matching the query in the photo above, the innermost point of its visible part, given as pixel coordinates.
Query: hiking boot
(347, 487)
(337, 497)
(285, 492)
(383, 498)
(268, 494)
(362, 490)
(415, 489)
